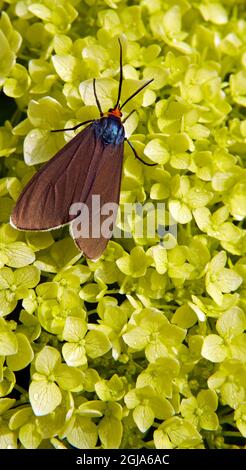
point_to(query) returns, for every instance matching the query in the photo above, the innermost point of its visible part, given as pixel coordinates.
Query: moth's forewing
(106, 183)
(45, 201)
(84, 168)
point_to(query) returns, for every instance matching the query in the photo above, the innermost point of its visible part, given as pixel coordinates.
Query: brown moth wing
(66, 178)
(106, 183)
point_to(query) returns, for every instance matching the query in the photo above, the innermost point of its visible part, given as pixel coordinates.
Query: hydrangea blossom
(149, 340)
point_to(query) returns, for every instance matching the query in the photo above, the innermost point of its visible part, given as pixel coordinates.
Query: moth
(90, 164)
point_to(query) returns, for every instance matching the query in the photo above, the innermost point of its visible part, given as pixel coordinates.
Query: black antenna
(136, 92)
(121, 77)
(96, 97)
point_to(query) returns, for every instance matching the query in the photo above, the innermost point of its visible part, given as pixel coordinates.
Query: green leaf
(128, 16)
(156, 350)
(17, 82)
(7, 383)
(207, 400)
(96, 344)
(8, 340)
(68, 378)
(7, 58)
(110, 390)
(90, 292)
(6, 207)
(237, 201)
(90, 378)
(40, 145)
(188, 407)
(184, 317)
(24, 355)
(75, 329)
(180, 212)
(67, 67)
(29, 436)
(45, 113)
(156, 151)
(18, 254)
(41, 11)
(47, 360)
(135, 264)
(8, 302)
(231, 323)
(143, 416)
(8, 439)
(232, 394)
(44, 397)
(160, 375)
(240, 414)
(161, 407)
(62, 44)
(6, 404)
(109, 439)
(209, 421)
(214, 349)
(20, 417)
(132, 399)
(39, 240)
(82, 433)
(180, 433)
(238, 347)
(74, 354)
(159, 254)
(29, 276)
(229, 280)
(6, 278)
(106, 90)
(136, 338)
(214, 12)
(92, 409)
(161, 440)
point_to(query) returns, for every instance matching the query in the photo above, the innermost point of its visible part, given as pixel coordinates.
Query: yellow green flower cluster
(148, 341)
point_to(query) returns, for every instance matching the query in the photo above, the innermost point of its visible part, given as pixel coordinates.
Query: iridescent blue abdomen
(110, 130)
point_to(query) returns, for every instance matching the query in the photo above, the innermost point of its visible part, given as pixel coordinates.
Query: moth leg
(136, 155)
(73, 128)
